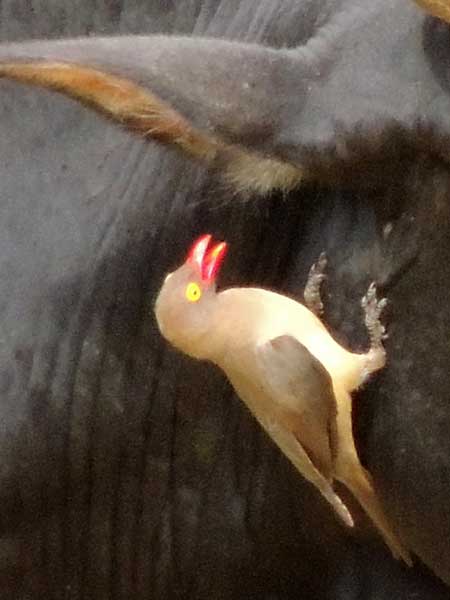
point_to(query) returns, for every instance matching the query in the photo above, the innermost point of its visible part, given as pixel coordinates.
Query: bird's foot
(372, 312)
(311, 293)
(376, 357)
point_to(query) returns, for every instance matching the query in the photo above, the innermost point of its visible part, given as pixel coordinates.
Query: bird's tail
(360, 484)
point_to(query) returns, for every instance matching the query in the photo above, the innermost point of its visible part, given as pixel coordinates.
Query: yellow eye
(193, 292)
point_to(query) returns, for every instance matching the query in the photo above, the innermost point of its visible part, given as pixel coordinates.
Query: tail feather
(359, 483)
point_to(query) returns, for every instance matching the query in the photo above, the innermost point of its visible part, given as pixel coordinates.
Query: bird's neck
(232, 327)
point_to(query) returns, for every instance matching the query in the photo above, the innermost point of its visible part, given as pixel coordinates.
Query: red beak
(207, 260)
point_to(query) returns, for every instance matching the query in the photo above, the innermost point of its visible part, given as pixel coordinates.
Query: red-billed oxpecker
(284, 364)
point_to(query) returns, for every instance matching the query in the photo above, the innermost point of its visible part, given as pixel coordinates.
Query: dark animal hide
(288, 128)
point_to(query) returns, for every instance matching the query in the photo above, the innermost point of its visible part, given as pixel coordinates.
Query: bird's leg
(375, 359)
(311, 293)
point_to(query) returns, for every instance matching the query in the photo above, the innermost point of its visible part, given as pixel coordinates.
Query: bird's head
(186, 302)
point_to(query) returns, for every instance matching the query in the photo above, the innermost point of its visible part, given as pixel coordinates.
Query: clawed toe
(312, 289)
(321, 263)
(372, 312)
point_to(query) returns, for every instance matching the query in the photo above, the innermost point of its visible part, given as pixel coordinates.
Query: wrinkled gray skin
(130, 471)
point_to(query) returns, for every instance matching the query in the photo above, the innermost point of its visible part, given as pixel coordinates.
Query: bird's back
(261, 315)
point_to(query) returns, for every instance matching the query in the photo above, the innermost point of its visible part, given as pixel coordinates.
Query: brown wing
(302, 389)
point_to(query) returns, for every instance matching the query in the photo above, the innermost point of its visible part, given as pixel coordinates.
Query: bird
(284, 364)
